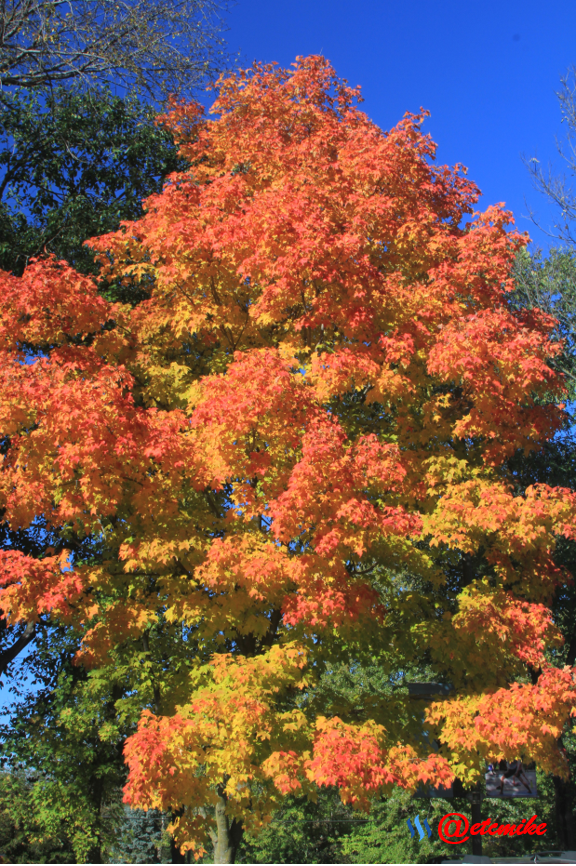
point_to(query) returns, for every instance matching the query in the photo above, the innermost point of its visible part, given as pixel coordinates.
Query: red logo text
(454, 827)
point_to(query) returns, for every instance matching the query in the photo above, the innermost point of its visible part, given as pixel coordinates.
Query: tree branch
(7, 656)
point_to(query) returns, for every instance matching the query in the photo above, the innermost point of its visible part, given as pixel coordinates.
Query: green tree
(555, 464)
(73, 165)
(140, 838)
(549, 284)
(67, 739)
(24, 838)
(303, 832)
(74, 773)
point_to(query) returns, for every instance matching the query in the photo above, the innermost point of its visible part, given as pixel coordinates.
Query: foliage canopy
(293, 456)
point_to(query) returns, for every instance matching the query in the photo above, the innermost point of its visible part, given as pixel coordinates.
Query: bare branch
(557, 187)
(153, 46)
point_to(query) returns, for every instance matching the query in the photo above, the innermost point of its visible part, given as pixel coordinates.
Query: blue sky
(487, 71)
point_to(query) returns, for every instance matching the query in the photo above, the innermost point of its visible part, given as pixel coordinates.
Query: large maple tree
(293, 456)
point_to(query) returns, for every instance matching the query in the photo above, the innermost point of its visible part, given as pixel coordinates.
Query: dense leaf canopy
(293, 455)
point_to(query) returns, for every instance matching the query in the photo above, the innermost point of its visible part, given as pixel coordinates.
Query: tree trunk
(565, 818)
(8, 655)
(228, 834)
(476, 819)
(95, 855)
(176, 856)
(475, 798)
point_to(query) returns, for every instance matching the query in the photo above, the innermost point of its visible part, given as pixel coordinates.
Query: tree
(303, 831)
(23, 838)
(62, 741)
(67, 739)
(549, 284)
(75, 164)
(140, 839)
(156, 46)
(555, 186)
(295, 454)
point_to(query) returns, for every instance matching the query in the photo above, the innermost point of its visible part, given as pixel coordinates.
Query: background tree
(67, 738)
(54, 738)
(141, 838)
(552, 185)
(74, 164)
(24, 838)
(303, 831)
(549, 283)
(155, 46)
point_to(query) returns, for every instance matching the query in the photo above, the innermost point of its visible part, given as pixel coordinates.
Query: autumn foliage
(295, 452)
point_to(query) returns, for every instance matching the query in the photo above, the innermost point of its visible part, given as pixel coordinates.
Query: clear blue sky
(487, 71)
